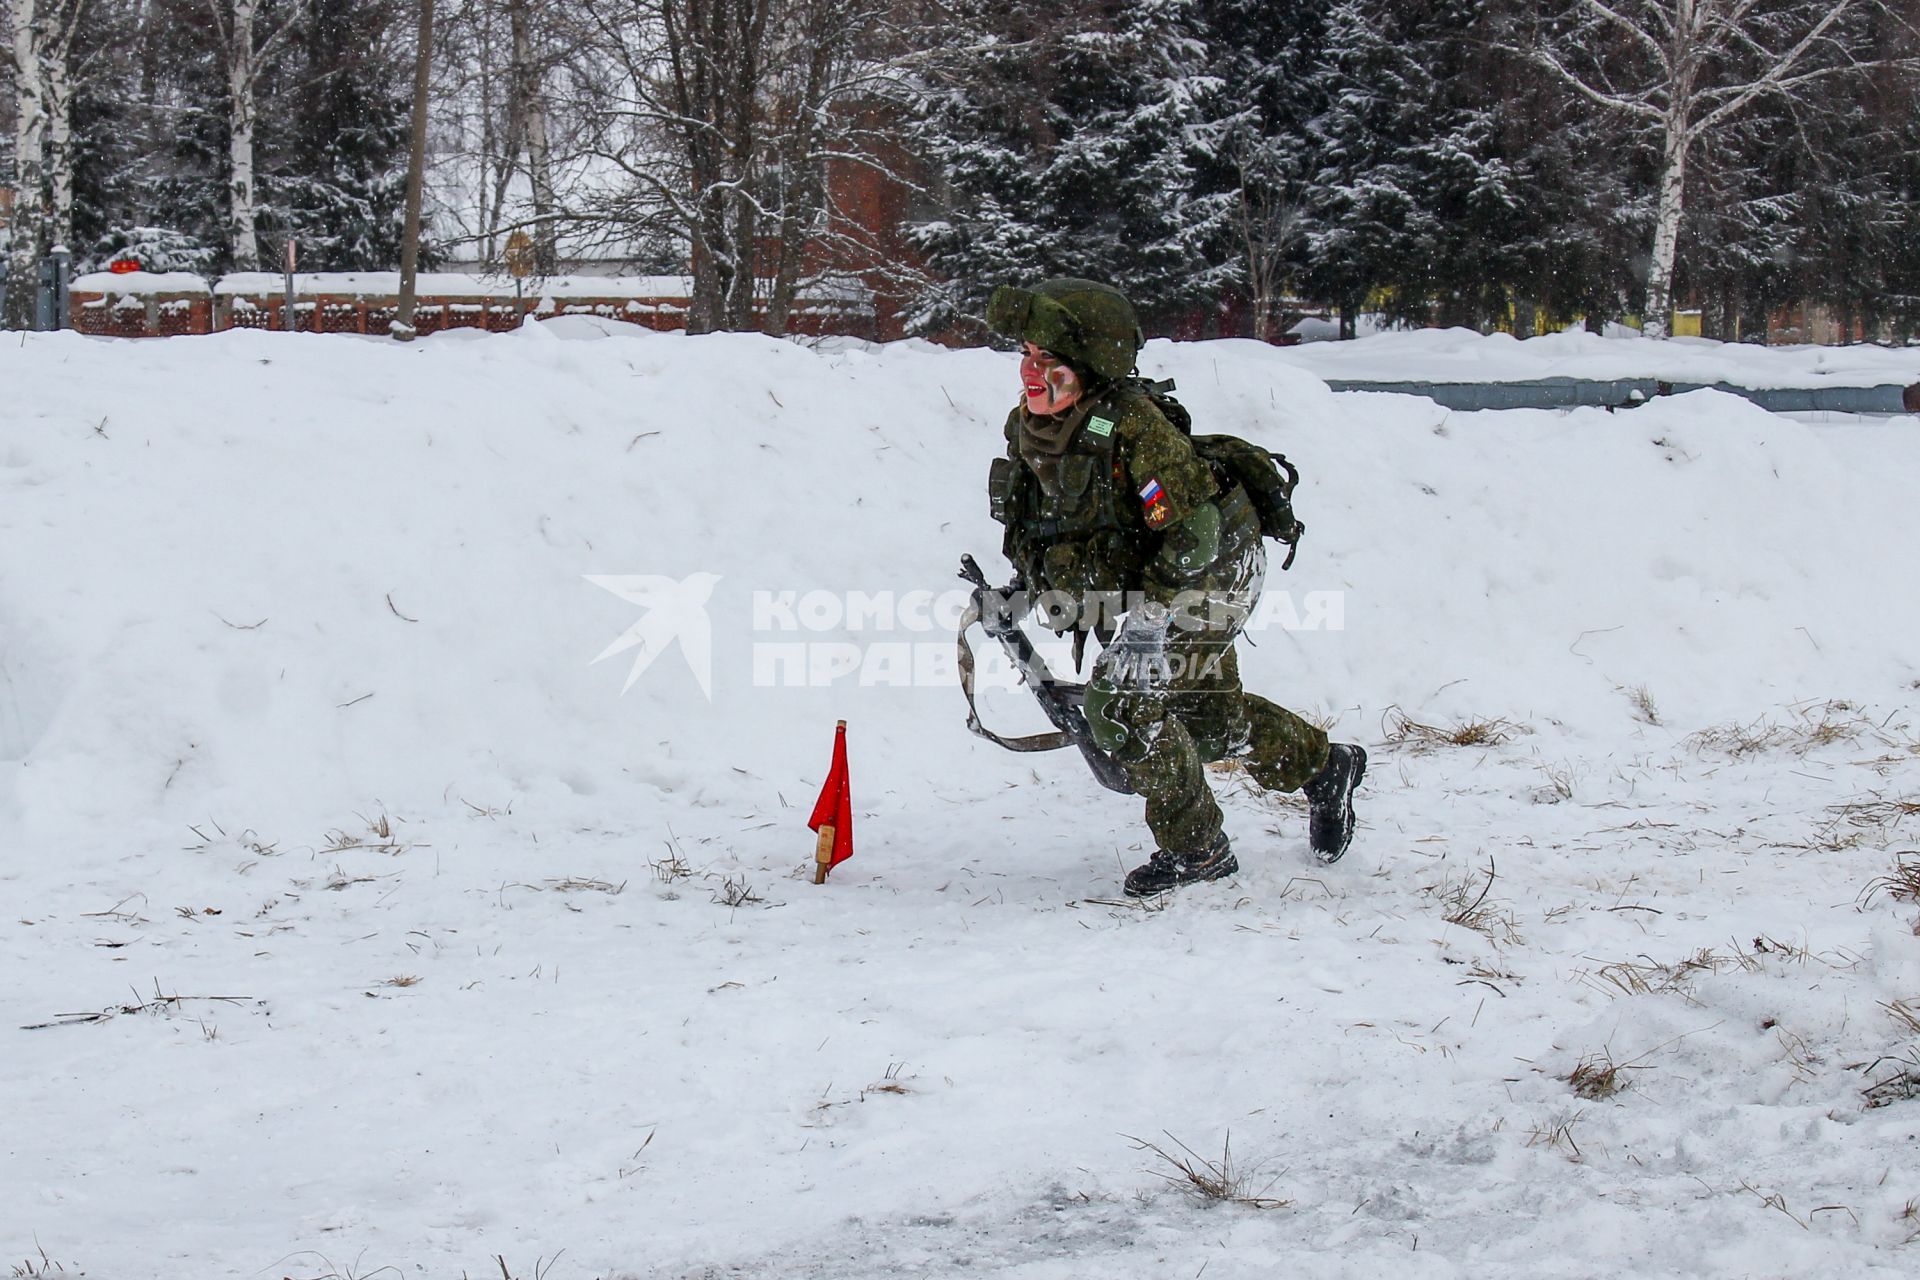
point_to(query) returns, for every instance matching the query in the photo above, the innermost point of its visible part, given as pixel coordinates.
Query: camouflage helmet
(1091, 326)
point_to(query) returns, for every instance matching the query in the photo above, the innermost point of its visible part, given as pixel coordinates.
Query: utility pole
(416, 168)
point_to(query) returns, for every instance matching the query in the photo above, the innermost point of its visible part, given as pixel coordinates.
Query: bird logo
(676, 613)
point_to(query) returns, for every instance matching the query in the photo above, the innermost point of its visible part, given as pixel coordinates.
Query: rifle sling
(963, 655)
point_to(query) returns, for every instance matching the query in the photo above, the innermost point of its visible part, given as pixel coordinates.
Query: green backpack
(1268, 478)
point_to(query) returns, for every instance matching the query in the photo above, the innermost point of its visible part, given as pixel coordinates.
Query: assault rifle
(1061, 700)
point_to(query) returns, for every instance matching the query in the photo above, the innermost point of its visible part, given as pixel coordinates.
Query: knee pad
(1113, 719)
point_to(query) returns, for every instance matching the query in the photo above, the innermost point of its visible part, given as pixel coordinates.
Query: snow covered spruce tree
(1848, 183)
(1254, 153)
(98, 110)
(1059, 141)
(1368, 221)
(337, 133)
(1684, 73)
(1901, 264)
(1518, 202)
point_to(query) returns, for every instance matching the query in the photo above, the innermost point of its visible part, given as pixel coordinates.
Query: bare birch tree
(1684, 71)
(62, 80)
(722, 120)
(478, 151)
(245, 56)
(1269, 220)
(508, 147)
(527, 115)
(26, 49)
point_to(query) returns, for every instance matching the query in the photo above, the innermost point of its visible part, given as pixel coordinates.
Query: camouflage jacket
(1127, 507)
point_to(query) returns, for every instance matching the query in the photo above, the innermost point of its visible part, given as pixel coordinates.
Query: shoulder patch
(1153, 503)
(1097, 426)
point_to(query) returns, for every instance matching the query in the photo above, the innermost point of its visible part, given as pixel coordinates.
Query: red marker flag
(833, 813)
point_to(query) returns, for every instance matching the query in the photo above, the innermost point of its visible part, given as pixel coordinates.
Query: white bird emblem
(676, 612)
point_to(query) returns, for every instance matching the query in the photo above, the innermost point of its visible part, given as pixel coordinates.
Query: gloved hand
(1137, 658)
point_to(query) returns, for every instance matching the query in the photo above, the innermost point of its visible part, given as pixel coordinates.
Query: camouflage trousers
(1165, 736)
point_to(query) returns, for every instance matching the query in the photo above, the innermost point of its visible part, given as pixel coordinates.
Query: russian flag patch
(1153, 499)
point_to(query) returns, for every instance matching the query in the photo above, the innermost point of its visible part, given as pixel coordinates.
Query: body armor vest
(1081, 495)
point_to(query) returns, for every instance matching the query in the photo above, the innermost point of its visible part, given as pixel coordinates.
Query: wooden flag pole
(823, 853)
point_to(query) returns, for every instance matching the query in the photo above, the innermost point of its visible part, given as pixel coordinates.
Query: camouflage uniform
(1110, 497)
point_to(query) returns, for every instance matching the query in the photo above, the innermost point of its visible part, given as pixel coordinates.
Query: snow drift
(298, 705)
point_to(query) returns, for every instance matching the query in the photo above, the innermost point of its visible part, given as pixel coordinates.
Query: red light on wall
(123, 266)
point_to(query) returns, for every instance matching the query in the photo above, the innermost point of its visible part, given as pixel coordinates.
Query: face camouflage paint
(1050, 383)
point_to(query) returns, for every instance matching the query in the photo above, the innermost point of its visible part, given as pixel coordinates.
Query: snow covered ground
(377, 928)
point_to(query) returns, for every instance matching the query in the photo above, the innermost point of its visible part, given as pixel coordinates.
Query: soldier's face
(1050, 382)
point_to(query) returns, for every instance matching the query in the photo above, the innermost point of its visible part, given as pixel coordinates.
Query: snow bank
(1464, 355)
(298, 705)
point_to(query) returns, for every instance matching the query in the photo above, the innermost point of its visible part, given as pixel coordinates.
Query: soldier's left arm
(1177, 496)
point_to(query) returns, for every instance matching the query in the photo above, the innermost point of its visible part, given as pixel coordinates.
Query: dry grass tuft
(351, 1271)
(1559, 788)
(586, 884)
(1903, 1085)
(1644, 707)
(1215, 1181)
(1644, 976)
(1466, 903)
(159, 1004)
(1648, 977)
(1557, 1132)
(379, 838)
(890, 1083)
(401, 980)
(248, 840)
(541, 1265)
(1737, 740)
(1402, 730)
(673, 868)
(1904, 1015)
(735, 892)
(42, 1266)
(1902, 884)
(1810, 726)
(1598, 1076)
(1801, 1056)
(1821, 724)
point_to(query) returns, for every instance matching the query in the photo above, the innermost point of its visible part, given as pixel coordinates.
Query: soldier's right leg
(1284, 752)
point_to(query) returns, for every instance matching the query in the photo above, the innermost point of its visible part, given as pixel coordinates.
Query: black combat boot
(1330, 821)
(1164, 871)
